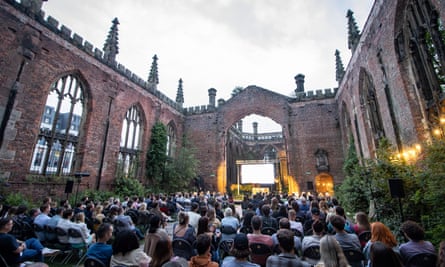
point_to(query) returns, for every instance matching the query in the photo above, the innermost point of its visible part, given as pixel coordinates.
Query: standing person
(15, 252)
(126, 250)
(416, 244)
(383, 256)
(101, 250)
(240, 253)
(331, 253)
(287, 256)
(203, 247)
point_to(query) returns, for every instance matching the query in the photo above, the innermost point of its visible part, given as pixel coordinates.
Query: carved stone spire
(153, 76)
(111, 48)
(180, 93)
(339, 69)
(299, 80)
(353, 31)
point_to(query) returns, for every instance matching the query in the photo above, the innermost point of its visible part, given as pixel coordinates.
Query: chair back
(93, 262)
(75, 237)
(62, 235)
(246, 230)
(312, 252)
(297, 233)
(224, 248)
(422, 260)
(364, 237)
(268, 230)
(227, 229)
(354, 257)
(259, 253)
(182, 248)
(51, 234)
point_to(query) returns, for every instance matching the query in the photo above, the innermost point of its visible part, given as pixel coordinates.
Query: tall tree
(157, 155)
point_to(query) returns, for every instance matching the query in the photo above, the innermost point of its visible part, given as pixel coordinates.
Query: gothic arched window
(55, 150)
(370, 105)
(171, 140)
(423, 36)
(130, 145)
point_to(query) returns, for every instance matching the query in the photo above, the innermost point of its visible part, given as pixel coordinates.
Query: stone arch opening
(241, 145)
(324, 184)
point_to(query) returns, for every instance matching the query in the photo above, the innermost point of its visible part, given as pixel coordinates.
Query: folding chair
(78, 248)
(93, 262)
(63, 238)
(224, 248)
(354, 257)
(268, 231)
(312, 254)
(422, 260)
(259, 253)
(182, 248)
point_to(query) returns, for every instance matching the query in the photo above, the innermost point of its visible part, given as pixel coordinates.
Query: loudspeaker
(396, 188)
(310, 186)
(69, 187)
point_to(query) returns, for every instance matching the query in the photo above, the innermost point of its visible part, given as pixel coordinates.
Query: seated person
(65, 223)
(314, 239)
(127, 251)
(347, 241)
(203, 246)
(268, 220)
(284, 224)
(183, 230)
(101, 250)
(416, 244)
(15, 252)
(287, 256)
(126, 223)
(240, 253)
(257, 236)
(82, 227)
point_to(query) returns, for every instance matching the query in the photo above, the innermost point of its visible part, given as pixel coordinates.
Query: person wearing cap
(287, 256)
(239, 252)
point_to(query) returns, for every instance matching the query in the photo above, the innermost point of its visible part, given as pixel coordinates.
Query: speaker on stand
(397, 191)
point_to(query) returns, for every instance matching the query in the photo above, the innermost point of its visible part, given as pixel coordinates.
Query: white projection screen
(257, 173)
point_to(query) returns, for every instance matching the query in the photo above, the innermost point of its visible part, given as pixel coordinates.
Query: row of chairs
(62, 239)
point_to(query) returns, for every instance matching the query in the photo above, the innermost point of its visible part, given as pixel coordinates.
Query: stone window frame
(56, 146)
(131, 142)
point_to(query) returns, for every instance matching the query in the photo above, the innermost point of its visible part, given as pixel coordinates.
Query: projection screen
(257, 173)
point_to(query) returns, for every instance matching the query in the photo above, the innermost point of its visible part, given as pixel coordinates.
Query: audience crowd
(208, 230)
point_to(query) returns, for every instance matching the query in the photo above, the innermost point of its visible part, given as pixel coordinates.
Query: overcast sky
(221, 44)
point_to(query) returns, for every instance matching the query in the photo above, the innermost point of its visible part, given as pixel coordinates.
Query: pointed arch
(370, 107)
(131, 142)
(171, 139)
(60, 127)
(420, 46)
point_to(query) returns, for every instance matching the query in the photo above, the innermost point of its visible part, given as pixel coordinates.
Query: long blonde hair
(331, 253)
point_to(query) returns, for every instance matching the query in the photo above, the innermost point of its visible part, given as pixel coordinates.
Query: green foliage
(181, 170)
(98, 195)
(128, 187)
(15, 199)
(237, 90)
(422, 182)
(157, 155)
